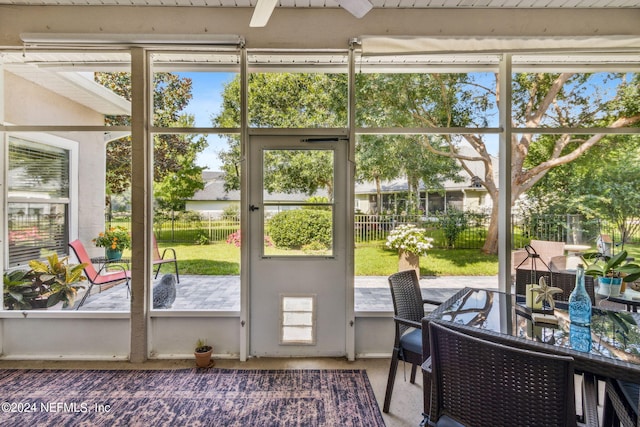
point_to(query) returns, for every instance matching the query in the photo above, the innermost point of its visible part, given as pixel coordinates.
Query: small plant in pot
(203, 354)
(611, 271)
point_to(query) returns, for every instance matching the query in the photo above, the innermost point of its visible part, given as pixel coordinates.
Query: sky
(207, 90)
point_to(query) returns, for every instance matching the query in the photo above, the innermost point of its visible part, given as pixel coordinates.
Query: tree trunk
(491, 242)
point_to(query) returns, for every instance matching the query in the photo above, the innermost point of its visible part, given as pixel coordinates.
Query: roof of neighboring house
(214, 190)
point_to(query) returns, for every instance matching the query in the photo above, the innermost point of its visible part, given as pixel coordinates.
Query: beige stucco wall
(29, 104)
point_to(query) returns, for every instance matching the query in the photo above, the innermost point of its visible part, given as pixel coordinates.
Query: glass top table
(499, 316)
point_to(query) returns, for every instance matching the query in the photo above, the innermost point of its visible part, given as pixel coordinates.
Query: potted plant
(114, 240)
(44, 285)
(611, 271)
(203, 354)
(411, 242)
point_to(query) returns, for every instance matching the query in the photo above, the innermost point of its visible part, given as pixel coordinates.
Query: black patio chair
(479, 383)
(408, 309)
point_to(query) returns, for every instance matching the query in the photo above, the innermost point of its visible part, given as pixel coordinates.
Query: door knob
(253, 208)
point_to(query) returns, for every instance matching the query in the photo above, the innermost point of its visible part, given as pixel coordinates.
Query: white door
(297, 233)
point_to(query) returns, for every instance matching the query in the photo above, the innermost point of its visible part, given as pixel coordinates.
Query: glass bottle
(580, 337)
(579, 301)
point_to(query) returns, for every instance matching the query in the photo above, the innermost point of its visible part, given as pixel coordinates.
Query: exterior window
(38, 200)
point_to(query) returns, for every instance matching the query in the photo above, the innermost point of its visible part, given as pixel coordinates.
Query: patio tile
(222, 293)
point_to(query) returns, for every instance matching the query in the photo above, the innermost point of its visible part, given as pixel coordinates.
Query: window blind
(38, 201)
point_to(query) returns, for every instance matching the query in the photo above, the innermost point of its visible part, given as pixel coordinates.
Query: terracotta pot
(203, 358)
(408, 261)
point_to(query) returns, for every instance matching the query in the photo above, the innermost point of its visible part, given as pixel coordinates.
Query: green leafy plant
(294, 229)
(611, 266)
(202, 346)
(18, 290)
(51, 282)
(452, 222)
(202, 238)
(116, 238)
(409, 238)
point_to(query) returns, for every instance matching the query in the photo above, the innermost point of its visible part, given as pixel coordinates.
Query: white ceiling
(389, 4)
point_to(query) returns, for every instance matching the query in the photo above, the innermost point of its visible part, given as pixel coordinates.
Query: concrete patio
(222, 293)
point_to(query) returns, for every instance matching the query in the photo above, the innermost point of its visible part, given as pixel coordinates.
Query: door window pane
(298, 202)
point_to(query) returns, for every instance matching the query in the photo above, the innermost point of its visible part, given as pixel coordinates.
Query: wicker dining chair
(479, 383)
(408, 309)
(621, 401)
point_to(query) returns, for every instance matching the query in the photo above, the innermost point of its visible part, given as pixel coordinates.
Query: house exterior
(466, 195)
(54, 194)
(213, 199)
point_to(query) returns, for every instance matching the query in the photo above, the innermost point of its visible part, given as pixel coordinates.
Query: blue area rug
(188, 397)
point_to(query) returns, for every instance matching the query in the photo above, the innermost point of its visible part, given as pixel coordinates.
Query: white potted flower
(411, 242)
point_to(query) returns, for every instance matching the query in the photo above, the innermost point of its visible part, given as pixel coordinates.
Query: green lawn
(372, 259)
(215, 259)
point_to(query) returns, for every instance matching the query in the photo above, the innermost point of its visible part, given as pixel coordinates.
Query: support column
(141, 201)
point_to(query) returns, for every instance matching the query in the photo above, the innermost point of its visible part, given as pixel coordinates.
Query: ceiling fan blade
(262, 12)
(357, 8)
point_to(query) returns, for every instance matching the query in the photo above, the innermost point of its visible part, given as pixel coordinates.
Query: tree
(176, 187)
(420, 164)
(174, 154)
(539, 99)
(286, 100)
(376, 161)
(467, 100)
(301, 171)
(613, 194)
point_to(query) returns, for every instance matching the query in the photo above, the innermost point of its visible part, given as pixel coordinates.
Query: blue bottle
(580, 337)
(579, 301)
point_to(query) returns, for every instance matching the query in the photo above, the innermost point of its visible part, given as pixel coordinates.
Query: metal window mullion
(504, 195)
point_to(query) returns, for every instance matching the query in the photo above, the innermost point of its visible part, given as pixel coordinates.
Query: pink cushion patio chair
(98, 277)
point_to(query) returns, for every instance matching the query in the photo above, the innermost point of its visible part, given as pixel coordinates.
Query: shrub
(202, 238)
(231, 212)
(314, 248)
(453, 223)
(294, 229)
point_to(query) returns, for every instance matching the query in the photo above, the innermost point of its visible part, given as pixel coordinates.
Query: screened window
(38, 200)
